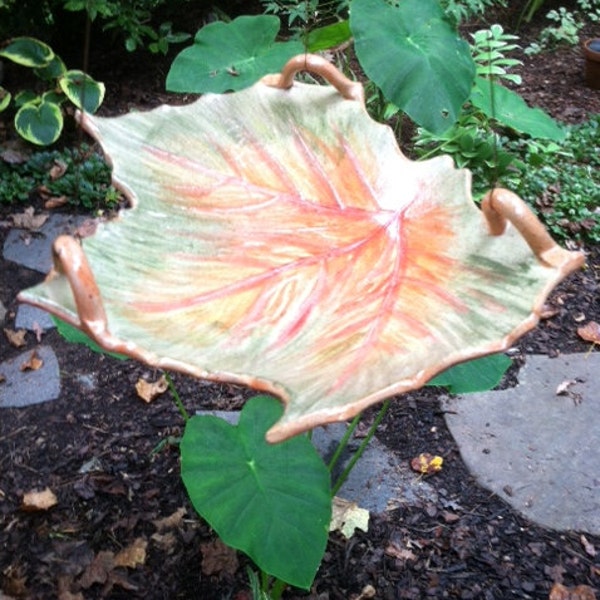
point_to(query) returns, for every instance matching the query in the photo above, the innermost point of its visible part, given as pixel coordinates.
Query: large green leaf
(39, 122)
(82, 90)
(507, 107)
(27, 51)
(231, 56)
(280, 239)
(270, 501)
(477, 375)
(412, 52)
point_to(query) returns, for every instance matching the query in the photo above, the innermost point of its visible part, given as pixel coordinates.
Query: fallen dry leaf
(58, 169)
(218, 558)
(563, 387)
(589, 548)
(28, 220)
(38, 331)
(400, 552)
(347, 516)
(15, 338)
(13, 157)
(548, 311)
(172, 521)
(590, 332)
(2, 377)
(579, 592)
(426, 463)
(98, 570)
(165, 542)
(132, 556)
(148, 391)
(55, 202)
(33, 363)
(34, 501)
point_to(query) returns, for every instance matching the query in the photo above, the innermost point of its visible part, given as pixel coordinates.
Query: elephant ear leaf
(230, 56)
(280, 239)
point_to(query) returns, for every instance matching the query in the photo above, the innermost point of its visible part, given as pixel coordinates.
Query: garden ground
(125, 528)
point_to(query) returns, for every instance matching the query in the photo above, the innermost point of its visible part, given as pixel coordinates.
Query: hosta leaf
(39, 122)
(27, 51)
(271, 502)
(82, 90)
(280, 239)
(230, 56)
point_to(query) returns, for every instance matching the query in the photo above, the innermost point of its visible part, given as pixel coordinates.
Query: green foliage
(562, 184)
(39, 118)
(131, 20)
(86, 180)
(76, 336)
(477, 375)
(231, 56)
(489, 50)
(493, 112)
(463, 10)
(399, 53)
(299, 15)
(566, 26)
(270, 501)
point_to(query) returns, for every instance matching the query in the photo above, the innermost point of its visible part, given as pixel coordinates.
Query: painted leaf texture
(280, 239)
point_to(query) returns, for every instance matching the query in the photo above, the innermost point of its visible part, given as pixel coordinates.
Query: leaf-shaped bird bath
(280, 239)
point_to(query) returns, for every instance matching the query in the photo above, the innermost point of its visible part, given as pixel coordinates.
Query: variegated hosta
(279, 238)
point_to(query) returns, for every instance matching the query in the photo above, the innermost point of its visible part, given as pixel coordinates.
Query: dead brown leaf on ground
(33, 362)
(29, 220)
(579, 592)
(218, 558)
(15, 338)
(172, 521)
(39, 500)
(148, 390)
(590, 332)
(132, 556)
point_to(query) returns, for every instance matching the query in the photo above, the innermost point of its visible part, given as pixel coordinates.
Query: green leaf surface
(231, 56)
(5, 97)
(477, 375)
(416, 57)
(76, 336)
(39, 122)
(82, 90)
(507, 107)
(53, 70)
(329, 36)
(28, 51)
(270, 501)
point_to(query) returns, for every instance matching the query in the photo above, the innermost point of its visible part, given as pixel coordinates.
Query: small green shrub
(131, 20)
(39, 116)
(566, 26)
(84, 179)
(563, 186)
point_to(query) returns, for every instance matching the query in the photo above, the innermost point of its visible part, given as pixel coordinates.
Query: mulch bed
(467, 544)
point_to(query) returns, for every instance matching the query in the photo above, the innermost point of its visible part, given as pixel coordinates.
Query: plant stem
(343, 442)
(342, 478)
(277, 589)
(177, 398)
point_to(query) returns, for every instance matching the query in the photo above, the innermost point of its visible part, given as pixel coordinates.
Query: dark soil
(468, 544)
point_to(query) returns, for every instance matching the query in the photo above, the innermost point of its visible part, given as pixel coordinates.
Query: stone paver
(538, 450)
(26, 387)
(33, 249)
